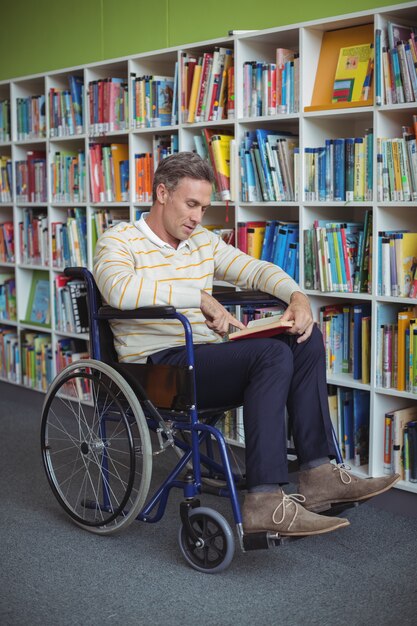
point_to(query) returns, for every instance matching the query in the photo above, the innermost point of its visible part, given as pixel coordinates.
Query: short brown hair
(181, 165)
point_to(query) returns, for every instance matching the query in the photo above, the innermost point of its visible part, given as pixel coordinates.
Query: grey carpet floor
(53, 573)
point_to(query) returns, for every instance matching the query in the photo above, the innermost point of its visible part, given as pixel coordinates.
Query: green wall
(38, 36)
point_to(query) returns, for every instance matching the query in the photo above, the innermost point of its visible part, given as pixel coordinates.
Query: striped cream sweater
(132, 270)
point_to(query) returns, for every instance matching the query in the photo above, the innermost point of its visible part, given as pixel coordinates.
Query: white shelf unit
(312, 127)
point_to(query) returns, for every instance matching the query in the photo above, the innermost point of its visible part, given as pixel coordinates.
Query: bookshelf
(311, 124)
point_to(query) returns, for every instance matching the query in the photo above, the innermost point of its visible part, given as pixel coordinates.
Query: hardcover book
(263, 327)
(353, 73)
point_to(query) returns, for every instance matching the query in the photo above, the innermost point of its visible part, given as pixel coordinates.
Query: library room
(179, 184)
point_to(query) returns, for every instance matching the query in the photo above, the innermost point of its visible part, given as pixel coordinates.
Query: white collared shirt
(153, 237)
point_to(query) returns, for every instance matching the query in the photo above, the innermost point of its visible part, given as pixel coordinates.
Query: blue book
(378, 67)
(361, 404)
(329, 169)
(250, 179)
(291, 261)
(76, 84)
(349, 168)
(268, 241)
(339, 169)
(292, 237)
(280, 245)
(348, 424)
(321, 157)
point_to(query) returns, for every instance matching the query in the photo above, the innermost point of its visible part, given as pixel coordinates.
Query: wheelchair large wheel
(96, 447)
(217, 544)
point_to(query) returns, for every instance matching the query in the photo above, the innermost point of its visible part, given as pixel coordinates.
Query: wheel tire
(96, 447)
(219, 545)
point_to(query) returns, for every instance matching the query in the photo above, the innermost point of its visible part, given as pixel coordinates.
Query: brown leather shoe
(281, 513)
(331, 484)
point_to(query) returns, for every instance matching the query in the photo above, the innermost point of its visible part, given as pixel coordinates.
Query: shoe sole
(325, 506)
(300, 533)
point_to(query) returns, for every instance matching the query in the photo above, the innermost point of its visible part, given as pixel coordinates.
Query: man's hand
(299, 310)
(217, 318)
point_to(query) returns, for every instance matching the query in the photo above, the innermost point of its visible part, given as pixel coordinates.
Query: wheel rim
(215, 537)
(95, 456)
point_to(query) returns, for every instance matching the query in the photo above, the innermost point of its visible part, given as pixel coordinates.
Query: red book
(32, 156)
(263, 327)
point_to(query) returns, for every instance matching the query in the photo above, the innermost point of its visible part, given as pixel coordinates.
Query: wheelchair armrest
(247, 298)
(107, 312)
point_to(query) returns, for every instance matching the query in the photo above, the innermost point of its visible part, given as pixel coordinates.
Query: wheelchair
(103, 422)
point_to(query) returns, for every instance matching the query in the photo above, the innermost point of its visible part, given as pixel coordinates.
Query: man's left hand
(299, 310)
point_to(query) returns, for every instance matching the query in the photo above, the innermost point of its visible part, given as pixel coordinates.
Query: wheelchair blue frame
(200, 431)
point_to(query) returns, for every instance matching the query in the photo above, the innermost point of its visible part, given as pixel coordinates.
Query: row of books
(274, 241)
(6, 185)
(102, 219)
(207, 86)
(7, 248)
(346, 336)
(269, 166)
(7, 296)
(147, 162)
(31, 177)
(395, 61)
(397, 167)
(37, 360)
(69, 240)
(153, 98)
(109, 172)
(33, 237)
(9, 355)
(71, 311)
(108, 105)
(397, 264)
(31, 117)
(69, 350)
(396, 351)
(341, 170)
(272, 88)
(349, 412)
(5, 133)
(68, 176)
(66, 107)
(400, 443)
(34, 363)
(338, 256)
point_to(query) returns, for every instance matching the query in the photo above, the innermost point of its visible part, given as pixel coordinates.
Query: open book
(263, 327)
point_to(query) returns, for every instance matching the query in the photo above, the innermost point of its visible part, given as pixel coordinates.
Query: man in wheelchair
(168, 258)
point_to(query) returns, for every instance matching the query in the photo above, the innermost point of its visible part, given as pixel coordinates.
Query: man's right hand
(217, 317)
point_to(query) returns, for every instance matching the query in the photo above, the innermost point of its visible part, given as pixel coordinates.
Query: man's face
(183, 209)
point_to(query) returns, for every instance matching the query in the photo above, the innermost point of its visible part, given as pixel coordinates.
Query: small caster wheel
(214, 551)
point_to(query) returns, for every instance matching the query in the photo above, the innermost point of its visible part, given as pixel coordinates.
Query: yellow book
(192, 104)
(119, 152)
(255, 238)
(398, 186)
(220, 145)
(411, 356)
(366, 329)
(353, 76)
(404, 318)
(407, 243)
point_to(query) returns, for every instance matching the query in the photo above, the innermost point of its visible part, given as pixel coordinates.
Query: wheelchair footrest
(338, 508)
(264, 540)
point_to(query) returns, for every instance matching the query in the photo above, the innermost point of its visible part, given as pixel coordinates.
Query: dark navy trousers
(265, 375)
